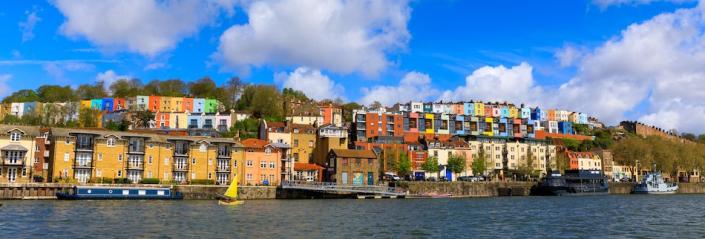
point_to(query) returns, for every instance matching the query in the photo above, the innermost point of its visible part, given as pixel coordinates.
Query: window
(268, 150)
(149, 160)
(248, 176)
(111, 142)
(100, 156)
(98, 173)
(209, 176)
(24, 172)
(166, 161)
(151, 146)
(119, 157)
(149, 174)
(119, 173)
(210, 161)
(235, 164)
(271, 164)
(248, 163)
(193, 161)
(66, 157)
(296, 143)
(310, 143)
(15, 136)
(263, 164)
(203, 147)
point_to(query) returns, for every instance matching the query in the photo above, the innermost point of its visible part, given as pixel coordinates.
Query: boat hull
(230, 203)
(119, 193)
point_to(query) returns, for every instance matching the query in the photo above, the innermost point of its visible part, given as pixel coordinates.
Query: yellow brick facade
(17, 148)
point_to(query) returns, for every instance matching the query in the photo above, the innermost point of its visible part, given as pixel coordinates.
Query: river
(669, 216)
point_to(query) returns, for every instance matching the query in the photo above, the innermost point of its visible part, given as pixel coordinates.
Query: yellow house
(489, 127)
(165, 105)
(429, 117)
(17, 147)
(178, 120)
(303, 141)
(177, 104)
(85, 104)
(479, 109)
(513, 112)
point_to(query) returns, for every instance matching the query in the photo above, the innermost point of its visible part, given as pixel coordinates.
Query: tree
(688, 136)
(123, 125)
(527, 168)
(571, 144)
(88, 118)
(267, 102)
(55, 93)
(348, 111)
(376, 105)
(86, 91)
(431, 165)
(404, 165)
(390, 159)
(203, 88)
(232, 90)
(173, 88)
(479, 165)
(456, 164)
(142, 118)
(562, 161)
(124, 88)
(25, 95)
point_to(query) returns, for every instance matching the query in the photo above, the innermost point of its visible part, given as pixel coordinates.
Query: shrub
(122, 181)
(149, 181)
(202, 182)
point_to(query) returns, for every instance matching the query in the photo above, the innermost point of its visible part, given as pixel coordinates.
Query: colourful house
(178, 120)
(504, 111)
(536, 114)
(97, 104)
(513, 112)
(469, 109)
(211, 106)
(165, 105)
(119, 104)
(489, 127)
(429, 123)
(223, 122)
(155, 103)
(177, 104)
(107, 104)
(551, 114)
(85, 104)
(142, 103)
(488, 111)
(162, 120)
(199, 105)
(525, 112)
(427, 107)
(187, 105)
(479, 109)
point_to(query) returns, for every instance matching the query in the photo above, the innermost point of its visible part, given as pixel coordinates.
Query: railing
(180, 167)
(222, 169)
(13, 162)
(334, 187)
(221, 155)
(138, 166)
(86, 164)
(84, 147)
(181, 153)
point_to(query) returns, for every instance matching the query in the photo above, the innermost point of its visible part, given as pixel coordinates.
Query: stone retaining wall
(468, 189)
(210, 191)
(31, 190)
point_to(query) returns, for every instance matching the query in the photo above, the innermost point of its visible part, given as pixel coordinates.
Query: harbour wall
(31, 190)
(197, 192)
(467, 189)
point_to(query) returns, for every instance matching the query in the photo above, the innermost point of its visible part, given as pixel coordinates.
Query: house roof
(352, 153)
(306, 167)
(27, 130)
(13, 147)
(254, 143)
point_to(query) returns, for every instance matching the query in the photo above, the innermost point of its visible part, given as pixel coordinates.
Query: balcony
(207, 126)
(13, 162)
(191, 126)
(222, 169)
(82, 165)
(135, 166)
(84, 147)
(180, 168)
(180, 152)
(46, 153)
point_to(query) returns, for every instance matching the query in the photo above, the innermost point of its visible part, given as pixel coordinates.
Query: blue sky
(520, 51)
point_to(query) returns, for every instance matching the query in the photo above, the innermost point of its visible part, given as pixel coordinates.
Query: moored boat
(119, 193)
(572, 183)
(653, 183)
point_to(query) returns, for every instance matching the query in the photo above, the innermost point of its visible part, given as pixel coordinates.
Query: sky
(613, 59)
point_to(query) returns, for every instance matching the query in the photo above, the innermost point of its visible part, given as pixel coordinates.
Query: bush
(65, 180)
(38, 179)
(202, 182)
(122, 181)
(149, 181)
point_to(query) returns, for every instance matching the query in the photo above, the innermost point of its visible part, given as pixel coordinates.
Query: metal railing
(135, 165)
(180, 167)
(334, 187)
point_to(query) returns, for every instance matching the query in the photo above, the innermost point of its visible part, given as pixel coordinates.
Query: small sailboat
(230, 196)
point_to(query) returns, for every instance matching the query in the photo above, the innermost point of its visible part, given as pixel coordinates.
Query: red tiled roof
(351, 153)
(254, 143)
(306, 167)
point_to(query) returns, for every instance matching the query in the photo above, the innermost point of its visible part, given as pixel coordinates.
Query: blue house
(29, 108)
(565, 127)
(97, 104)
(469, 108)
(536, 114)
(107, 104)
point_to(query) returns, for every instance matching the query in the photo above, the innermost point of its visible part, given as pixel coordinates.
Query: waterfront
(599, 216)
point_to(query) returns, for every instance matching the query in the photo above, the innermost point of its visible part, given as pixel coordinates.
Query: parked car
(465, 178)
(432, 179)
(391, 177)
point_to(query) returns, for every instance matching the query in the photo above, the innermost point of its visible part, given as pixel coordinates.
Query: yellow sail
(232, 190)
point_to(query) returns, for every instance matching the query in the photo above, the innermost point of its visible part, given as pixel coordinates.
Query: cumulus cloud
(499, 83)
(147, 27)
(312, 82)
(27, 27)
(414, 86)
(659, 63)
(568, 55)
(336, 35)
(108, 77)
(4, 85)
(56, 69)
(608, 3)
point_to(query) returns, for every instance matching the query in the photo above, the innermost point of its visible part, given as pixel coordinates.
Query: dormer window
(203, 148)
(15, 136)
(111, 141)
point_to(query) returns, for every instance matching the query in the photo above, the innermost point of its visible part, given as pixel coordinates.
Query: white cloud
(312, 82)
(608, 3)
(336, 35)
(147, 27)
(56, 69)
(27, 27)
(568, 55)
(515, 85)
(108, 77)
(155, 66)
(656, 68)
(414, 86)
(4, 86)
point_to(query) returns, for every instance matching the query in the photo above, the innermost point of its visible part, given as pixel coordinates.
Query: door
(12, 174)
(344, 178)
(370, 178)
(449, 175)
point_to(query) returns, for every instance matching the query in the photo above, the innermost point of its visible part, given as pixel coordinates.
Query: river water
(672, 216)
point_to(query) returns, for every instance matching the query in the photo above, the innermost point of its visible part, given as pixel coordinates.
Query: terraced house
(97, 155)
(17, 149)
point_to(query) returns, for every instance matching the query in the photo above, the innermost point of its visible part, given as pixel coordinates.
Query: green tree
(88, 118)
(118, 126)
(87, 91)
(55, 93)
(267, 102)
(348, 111)
(404, 165)
(124, 88)
(456, 164)
(25, 95)
(479, 164)
(431, 165)
(232, 90)
(203, 88)
(142, 118)
(526, 169)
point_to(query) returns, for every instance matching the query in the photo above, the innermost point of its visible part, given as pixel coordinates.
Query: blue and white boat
(653, 183)
(119, 193)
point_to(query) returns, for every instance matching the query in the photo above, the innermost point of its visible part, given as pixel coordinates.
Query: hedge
(149, 181)
(203, 181)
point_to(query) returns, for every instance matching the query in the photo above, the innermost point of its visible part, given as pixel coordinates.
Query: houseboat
(572, 183)
(119, 193)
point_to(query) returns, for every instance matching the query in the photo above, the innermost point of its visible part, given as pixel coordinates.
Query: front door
(344, 178)
(370, 178)
(12, 174)
(449, 175)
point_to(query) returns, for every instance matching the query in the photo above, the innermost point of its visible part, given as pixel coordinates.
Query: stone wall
(621, 188)
(31, 190)
(468, 189)
(211, 191)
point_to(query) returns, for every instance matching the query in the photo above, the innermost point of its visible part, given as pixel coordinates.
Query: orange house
(262, 163)
(162, 119)
(551, 115)
(119, 104)
(154, 103)
(187, 105)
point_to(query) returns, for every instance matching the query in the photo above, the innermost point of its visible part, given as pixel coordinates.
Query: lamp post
(637, 171)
